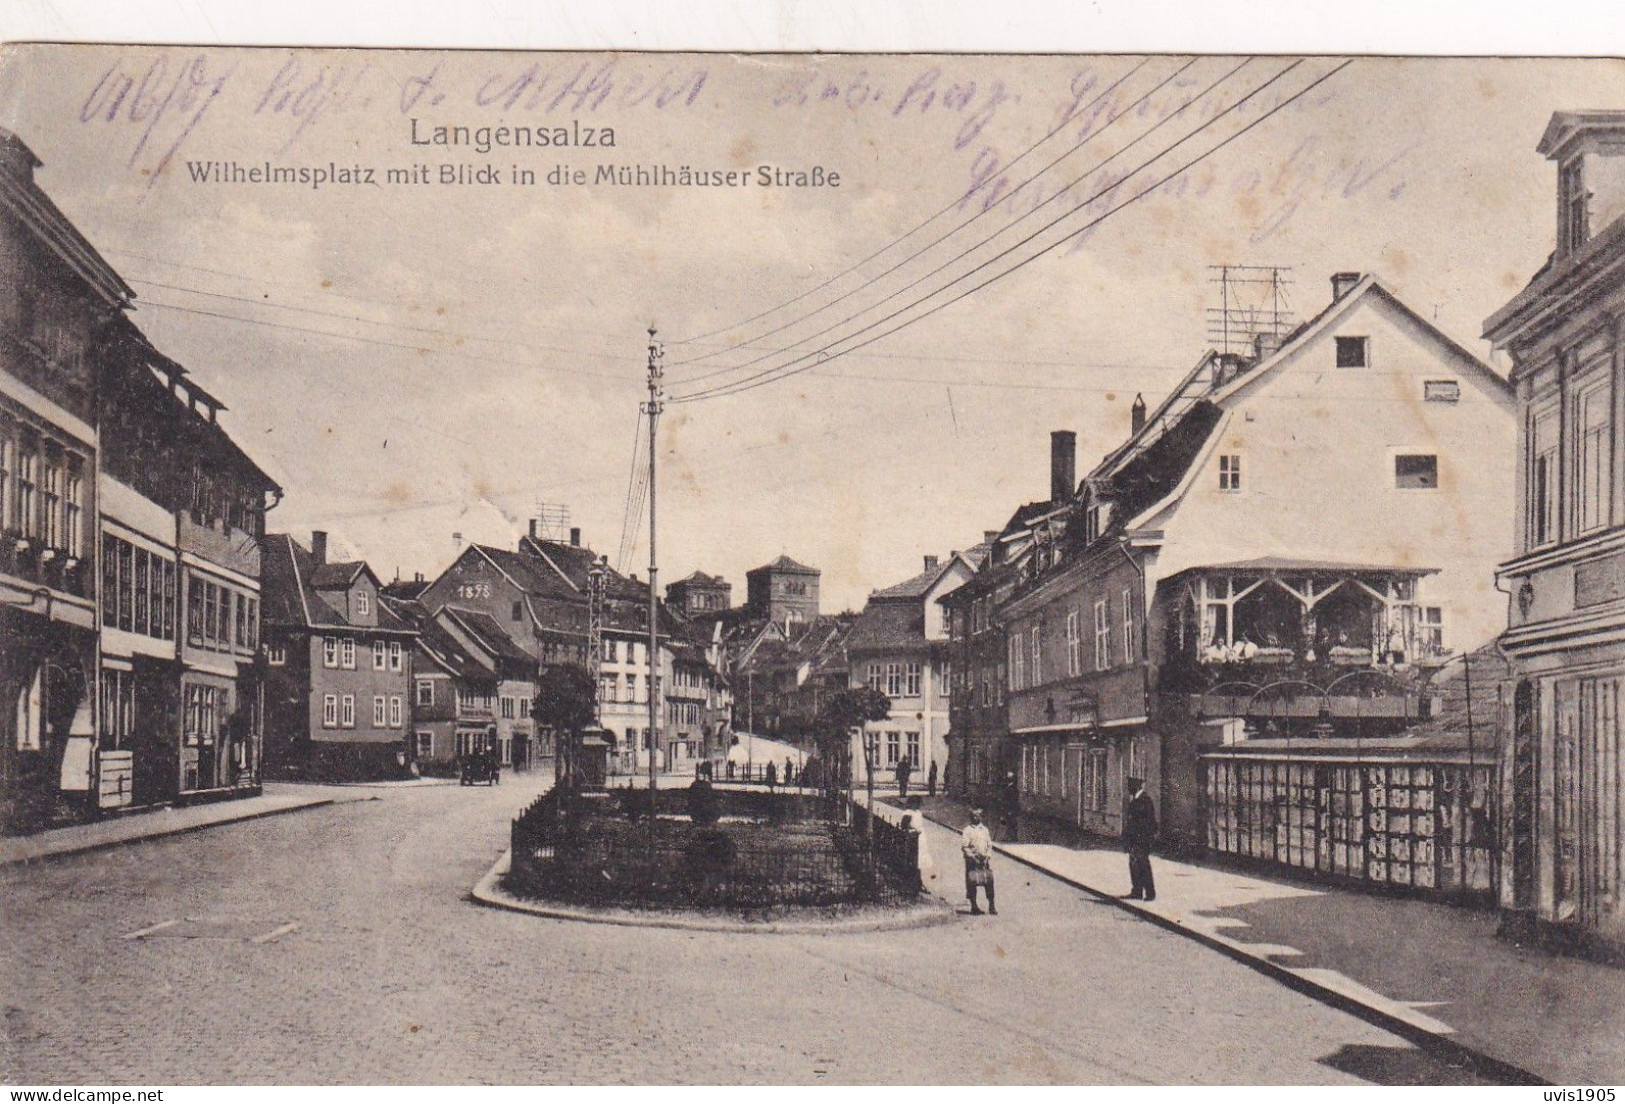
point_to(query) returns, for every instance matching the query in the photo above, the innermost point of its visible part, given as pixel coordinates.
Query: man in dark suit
(1139, 833)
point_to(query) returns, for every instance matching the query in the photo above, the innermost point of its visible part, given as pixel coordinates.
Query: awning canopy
(1266, 565)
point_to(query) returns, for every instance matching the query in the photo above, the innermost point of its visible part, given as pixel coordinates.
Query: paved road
(393, 976)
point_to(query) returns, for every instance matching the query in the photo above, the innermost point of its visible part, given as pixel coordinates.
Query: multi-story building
(182, 520)
(1245, 603)
(1563, 856)
(899, 647)
(699, 595)
(979, 746)
(57, 298)
(784, 591)
(339, 662)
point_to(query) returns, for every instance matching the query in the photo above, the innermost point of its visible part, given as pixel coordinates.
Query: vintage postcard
(698, 568)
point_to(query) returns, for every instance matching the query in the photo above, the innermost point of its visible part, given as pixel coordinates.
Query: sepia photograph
(790, 568)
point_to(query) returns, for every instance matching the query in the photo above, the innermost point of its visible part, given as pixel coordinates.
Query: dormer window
(363, 603)
(1573, 203)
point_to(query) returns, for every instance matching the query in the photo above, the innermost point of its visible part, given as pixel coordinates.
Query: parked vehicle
(480, 767)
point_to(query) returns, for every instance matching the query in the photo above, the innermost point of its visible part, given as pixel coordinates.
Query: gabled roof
(409, 589)
(288, 597)
(887, 626)
(700, 578)
(487, 632)
(339, 576)
(1266, 564)
(448, 653)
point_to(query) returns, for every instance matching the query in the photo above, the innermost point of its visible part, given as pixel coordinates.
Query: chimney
(575, 537)
(532, 528)
(1343, 283)
(318, 546)
(1063, 464)
(417, 577)
(1265, 344)
(1136, 414)
(930, 563)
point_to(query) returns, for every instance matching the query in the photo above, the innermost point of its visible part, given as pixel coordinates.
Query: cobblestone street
(338, 945)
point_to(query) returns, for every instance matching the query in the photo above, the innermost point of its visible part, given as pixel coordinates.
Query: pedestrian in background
(1139, 833)
(931, 780)
(904, 769)
(976, 842)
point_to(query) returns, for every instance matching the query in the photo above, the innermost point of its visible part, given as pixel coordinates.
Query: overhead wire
(787, 369)
(950, 206)
(1063, 192)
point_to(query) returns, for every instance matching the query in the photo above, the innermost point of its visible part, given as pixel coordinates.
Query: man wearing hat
(1139, 833)
(977, 845)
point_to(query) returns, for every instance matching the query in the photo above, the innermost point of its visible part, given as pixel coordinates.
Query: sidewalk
(1433, 971)
(279, 797)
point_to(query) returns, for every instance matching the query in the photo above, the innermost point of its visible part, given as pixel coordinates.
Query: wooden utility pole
(655, 405)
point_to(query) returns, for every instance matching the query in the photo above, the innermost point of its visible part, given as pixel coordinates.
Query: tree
(566, 702)
(843, 711)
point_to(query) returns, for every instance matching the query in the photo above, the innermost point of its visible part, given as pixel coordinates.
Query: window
(377, 655)
(607, 687)
(998, 687)
(894, 748)
(509, 709)
(1430, 635)
(1416, 472)
(118, 707)
(612, 651)
(1573, 198)
(276, 655)
(253, 623)
(240, 621)
(914, 748)
(1038, 657)
(524, 707)
(1095, 520)
(1094, 779)
(347, 711)
(1103, 637)
(395, 711)
(1441, 391)
(363, 603)
(1593, 454)
(330, 710)
(1018, 663)
(330, 651)
(877, 677)
(1351, 352)
(73, 508)
(425, 744)
(425, 692)
(1131, 645)
(347, 654)
(378, 711)
(51, 503)
(911, 680)
(1542, 520)
(394, 655)
(1230, 472)
(27, 522)
(8, 462)
(1074, 644)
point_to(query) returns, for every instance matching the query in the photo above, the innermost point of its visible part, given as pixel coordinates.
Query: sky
(417, 360)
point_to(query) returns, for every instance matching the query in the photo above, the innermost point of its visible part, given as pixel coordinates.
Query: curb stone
(106, 845)
(1436, 1043)
(488, 891)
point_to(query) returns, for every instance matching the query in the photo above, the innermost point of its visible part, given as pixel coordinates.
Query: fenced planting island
(714, 849)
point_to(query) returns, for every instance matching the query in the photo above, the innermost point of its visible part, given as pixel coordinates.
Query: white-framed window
(1018, 662)
(1543, 433)
(1094, 779)
(1074, 644)
(1441, 391)
(509, 708)
(330, 710)
(1430, 631)
(425, 743)
(998, 687)
(276, 655)
(1036, 643)
(330, 651)
(395, 655)
(877, 677)
(1230, 472)
(425, 692)
(1593, 424)
(347, 711)
(1103, 637)
(363, 603)
(1416, 471)
(1131, 645)
(894, 747)
(396, 712)
(347, 653)
(524, 707)
(911, 680)
(894, 680)
(378, 711)
(1353, 352)
(913, 741)
(377, 655)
